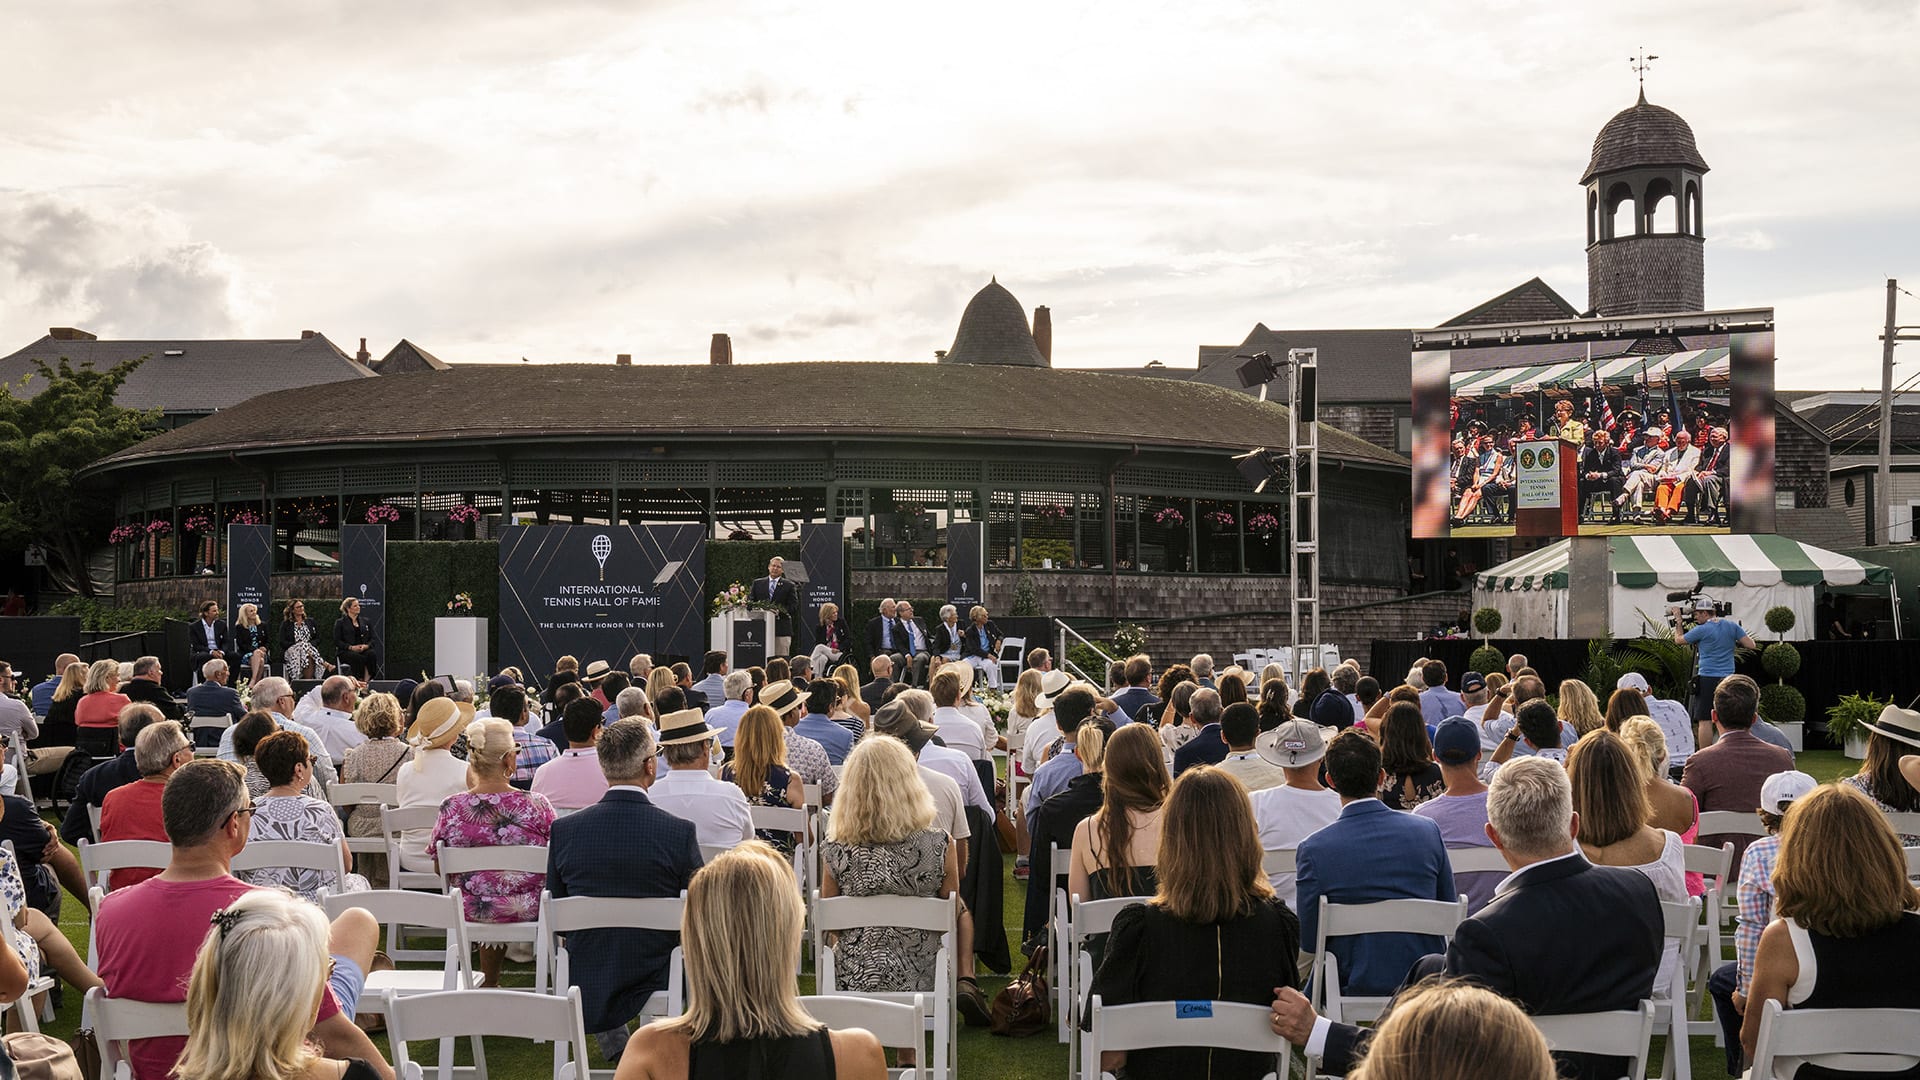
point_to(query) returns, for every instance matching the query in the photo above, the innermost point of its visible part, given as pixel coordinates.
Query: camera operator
(1715, 638)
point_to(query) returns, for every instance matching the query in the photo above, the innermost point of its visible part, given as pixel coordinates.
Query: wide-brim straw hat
(782, 697)
(685, 726)
(439, 724)
(1901, 725)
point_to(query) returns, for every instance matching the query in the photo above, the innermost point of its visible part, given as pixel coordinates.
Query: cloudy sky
(566, 180)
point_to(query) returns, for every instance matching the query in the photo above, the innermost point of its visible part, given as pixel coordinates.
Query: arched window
(1593, 216)
(1620, 212)
(1662, 214)
(1693, 209)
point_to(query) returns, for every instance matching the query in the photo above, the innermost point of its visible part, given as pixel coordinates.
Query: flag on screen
(1673, 409)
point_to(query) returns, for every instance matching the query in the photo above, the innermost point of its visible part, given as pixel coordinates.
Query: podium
(1546, 488)
(745, 636)
(460, 648)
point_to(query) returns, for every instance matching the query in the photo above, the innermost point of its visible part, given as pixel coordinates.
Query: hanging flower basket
(125, 534)
(1169, 516)
(198, 523)
(245, 517)
(1050, 512)
(1219, 519)
(1263, 525)
(464, 514)
(383, 514)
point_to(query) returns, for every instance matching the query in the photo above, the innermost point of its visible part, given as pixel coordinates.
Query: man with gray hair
(639, 668)
(622, 846)
(133, 812)
(275, 695)
(1346, 680)
(1202, 666)
(334, 718)
(916, 649)
(1207, 747)
(1515, 663)
(213, 697)
(1511, 946)
(725, 717)
(886, 636)
(145, 688)
(109, 775)
(630, 704)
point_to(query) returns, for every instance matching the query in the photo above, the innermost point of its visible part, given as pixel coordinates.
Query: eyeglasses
(247, 809)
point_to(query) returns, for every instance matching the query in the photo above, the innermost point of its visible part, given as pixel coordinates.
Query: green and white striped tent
(1614, 372)
(1752, 572)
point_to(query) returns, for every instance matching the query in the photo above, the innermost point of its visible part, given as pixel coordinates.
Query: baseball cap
(1633, 680)
(1780, 789)
(501, 682)
(1294, 743)
(1702, 603)
(1472, 681)
(1456, 741)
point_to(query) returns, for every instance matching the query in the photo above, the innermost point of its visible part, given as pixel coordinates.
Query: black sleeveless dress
(797, 1057)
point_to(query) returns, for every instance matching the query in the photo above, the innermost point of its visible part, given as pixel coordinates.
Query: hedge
(96, 616)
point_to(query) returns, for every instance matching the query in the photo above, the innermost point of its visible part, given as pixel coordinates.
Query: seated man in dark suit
(1600, 472)
(208, 637)
(875, 692)
(1561, 935)
(1139, 692)
(621, 846)
(886, 635)
(145, 687)
(1369, 853)
(213, 697)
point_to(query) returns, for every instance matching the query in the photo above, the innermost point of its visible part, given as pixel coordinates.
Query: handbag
(1020, 1008)
(43, 1057)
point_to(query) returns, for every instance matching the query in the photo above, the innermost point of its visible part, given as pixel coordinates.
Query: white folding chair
(1059, 922)
(1436, 918)
(523, 858)
(1089, 917)
(97, 861)
(1913, 862)
(1715, 864)
(1329, 656)
(1477, 860)
(502, 1014)
(1674, 1004)
(1278, 861)
(1803, 1033)
(1627, 1033)
(1222, 1025)
(570, 914)
(898, 1026)
(1905, 823)
(1013, 653)
(93, 819)
(350, 796)
(1017, 780)
(710, 852)
(395, 820)
(293, 855)
(835, 914)
(1730, 823)
(218, 722)
(119, 1021)
(1246, 660)
(408, 907)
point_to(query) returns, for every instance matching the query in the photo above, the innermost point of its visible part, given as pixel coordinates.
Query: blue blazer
(1373, 853)
(1132, 700)
(621, 846)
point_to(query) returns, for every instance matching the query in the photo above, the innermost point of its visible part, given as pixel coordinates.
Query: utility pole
(1883, 482)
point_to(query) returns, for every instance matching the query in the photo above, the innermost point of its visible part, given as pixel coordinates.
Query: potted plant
(1781, 705)
(1486, 659)
(1846, 722)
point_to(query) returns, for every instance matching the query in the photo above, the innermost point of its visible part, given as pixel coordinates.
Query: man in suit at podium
(777, 590)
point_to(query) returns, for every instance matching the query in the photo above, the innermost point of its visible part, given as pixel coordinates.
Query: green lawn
(981, 1055)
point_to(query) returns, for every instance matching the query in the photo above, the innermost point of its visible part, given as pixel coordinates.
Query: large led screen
(1545, 438)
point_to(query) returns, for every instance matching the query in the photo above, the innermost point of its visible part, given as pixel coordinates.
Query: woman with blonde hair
(1579, 709)
(1114, 850)
(881, 841)
(1445, 1029)
(849, 678)
(1845, 931)
(250, 642)
(96, 715)
(759, 766)
(255, 990)
(493, 813)
(1674, 808)
(659, 681)
(1024, 706)
(1214, 930)
(1610, 799)
(740, 935)
(375, 761)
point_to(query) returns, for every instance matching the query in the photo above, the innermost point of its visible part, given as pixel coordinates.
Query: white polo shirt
(717, 809)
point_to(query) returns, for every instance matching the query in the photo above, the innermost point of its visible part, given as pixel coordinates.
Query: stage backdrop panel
(363, 576)
(600, 592)
(823, 552)
(966, 566)
(250, 571)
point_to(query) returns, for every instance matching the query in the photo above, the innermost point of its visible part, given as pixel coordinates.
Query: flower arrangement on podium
(737, 597)
(461, 604)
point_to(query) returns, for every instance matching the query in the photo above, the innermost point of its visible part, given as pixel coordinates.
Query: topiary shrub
(1780, 619)
(1026, 598)
(1487, 622)
(1486, 659)
(1780, 660)
(1782, 704)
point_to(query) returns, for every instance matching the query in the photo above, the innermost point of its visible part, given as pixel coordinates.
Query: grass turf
(980, 1054)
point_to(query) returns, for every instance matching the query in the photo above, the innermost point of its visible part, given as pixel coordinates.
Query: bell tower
(1645, 233)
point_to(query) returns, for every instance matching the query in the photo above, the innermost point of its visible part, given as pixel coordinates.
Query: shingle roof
(1355, 365)
(1855, 429)
(993, 330)
(406, 357)
(197, 376)
(1532, 300)
(1643, 135)
(842, 400)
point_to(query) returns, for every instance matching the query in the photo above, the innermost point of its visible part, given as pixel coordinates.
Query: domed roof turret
(993, 330)
(1643, 135)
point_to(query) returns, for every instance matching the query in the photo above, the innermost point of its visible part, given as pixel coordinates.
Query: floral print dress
(773, 792)
(888, 959)
(496, 819)
(13, 891)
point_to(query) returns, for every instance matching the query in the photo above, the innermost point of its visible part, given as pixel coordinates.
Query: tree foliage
(45, 441)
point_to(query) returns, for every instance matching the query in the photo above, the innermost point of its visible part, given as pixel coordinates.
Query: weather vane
(1641, 62)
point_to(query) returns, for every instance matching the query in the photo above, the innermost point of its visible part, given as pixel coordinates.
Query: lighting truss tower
(1303, 507)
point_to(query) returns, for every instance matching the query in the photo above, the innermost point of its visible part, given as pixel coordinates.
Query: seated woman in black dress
(353, 642)
(1114, 850)
(740, 932)
(255, 988)
(1845, 931)
(1213, 932)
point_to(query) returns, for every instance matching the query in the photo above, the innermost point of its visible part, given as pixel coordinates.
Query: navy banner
(250, 571)
(823, 551)
(966, 566)
(363, 577)
(601, 592)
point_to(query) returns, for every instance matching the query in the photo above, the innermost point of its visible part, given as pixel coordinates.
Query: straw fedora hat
(685, 726)
(439, 724)
(1901, 725)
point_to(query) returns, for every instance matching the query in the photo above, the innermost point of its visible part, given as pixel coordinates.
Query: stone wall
(186, 593)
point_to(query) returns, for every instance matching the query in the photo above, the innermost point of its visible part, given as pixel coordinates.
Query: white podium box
(745, 636)
(460, 648)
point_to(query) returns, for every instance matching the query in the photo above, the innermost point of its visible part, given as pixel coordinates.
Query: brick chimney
(307, 334)
(68, 333)
(1043, 331)
(623, 359)
(721, 352)
(363, 355)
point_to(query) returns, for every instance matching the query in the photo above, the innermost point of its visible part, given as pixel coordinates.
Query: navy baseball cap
(1456, 741)
(1472, 681)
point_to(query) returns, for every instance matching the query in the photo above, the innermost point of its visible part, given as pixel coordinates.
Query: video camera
(1684, 599)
